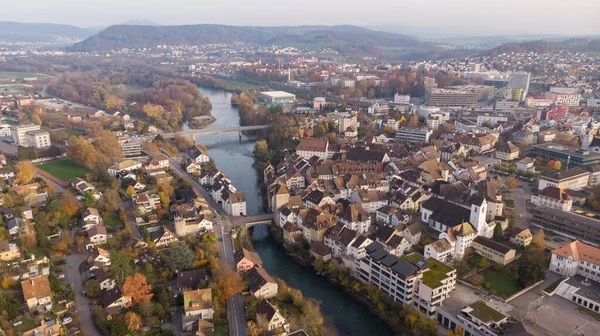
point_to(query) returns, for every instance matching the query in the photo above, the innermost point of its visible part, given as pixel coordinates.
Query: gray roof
(404, 269)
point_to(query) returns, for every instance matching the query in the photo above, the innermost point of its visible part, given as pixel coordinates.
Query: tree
(109, 201)
(498, 234)
(229, 282)
(130, 191)
(261, 151)
(82, 152)
(137, 288)
(476, 279)
(25, 172)
(92, 288)
(539, 240)
(108, 147)
(36, 119)
(120, 265)
(413, 121)
(133, 320)
(180, 257)
(9, 306)
(557, 165)
(532, 266)
(551, 163)
(183, 143)
(26, 153)
(483, 263)
(511, 182)
(28, 237)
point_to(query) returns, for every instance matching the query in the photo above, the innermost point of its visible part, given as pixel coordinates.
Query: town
(250, 188)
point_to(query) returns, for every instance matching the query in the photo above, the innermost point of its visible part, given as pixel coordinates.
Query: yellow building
(494, 251)
(8, 252)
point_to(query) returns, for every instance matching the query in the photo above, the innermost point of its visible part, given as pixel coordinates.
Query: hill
(42, 32)
(347, 40)
(545, 47)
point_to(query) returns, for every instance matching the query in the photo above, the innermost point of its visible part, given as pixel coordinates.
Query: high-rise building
(520, 80)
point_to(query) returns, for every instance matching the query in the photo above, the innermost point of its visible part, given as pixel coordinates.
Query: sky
(468, 17)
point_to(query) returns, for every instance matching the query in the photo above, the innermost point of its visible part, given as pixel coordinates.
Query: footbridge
(203, 131)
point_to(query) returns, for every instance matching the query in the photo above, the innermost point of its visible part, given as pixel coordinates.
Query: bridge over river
(205, 131)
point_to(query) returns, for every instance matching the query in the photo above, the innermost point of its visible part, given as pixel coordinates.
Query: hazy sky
(473, 17)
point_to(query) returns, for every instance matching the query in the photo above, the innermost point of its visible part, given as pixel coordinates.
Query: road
(222, 229)
(82, 303)
(128, 206)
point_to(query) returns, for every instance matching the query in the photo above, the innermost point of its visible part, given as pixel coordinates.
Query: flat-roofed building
(277, 96)
(574, 179)
(567, 224)
(574, 156)
(462, 97)
(414, 134)
(494, 251)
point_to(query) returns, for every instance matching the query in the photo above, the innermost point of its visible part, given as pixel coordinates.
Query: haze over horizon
(466, 17)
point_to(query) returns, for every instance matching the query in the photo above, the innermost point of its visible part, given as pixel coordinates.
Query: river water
(234, 158)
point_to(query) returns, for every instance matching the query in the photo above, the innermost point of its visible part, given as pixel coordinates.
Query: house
(46, 327)
(198, 155)
(307, 148)
(521, 237)
(100, 275)
(190, 226)
(96, 235)
(496, 252)
(507, 152)
(124, 166)
(576, 258)
(90, 218)
(261, 284)
(246, 260)
(278, 195)
(270, 314)
(491, 190)
(159, 161)
(6, 173)
(452, 243)
(191, 279)
(197, 305)
(145, 202)
(370, 200)
(114, 301)
(234, 203)
(163, 237)
(8, 251)
(292, 233)
(37, 293)
(526, 165)
(355, 218)
(192, 168)
(14, 225)
(320, 250)
(412, 233)
(553, 197)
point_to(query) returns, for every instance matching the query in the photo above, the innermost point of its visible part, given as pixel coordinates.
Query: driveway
(82, 303)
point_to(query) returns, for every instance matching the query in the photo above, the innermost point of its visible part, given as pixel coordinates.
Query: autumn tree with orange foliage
(69, 203)
(134, 321)
(137, 288)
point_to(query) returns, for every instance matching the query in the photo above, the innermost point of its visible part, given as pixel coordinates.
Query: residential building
(8, 251)
(114, 301)
(574, 179)
(37, 138)
(452, 243)
(47, 327)
(163, 237)
(313, 147)
(191, 279)
(197, 305)
(355, 218)
(414, 134)
(411, 279)
(553, 197)
(507, 152)
(520, 237)
(234, 203)
(19, 134)
(491, 190)
(101, 275)
(553, 112)
(275, 322)
(246, 260)
(199, 155)
(494, 251)
(145, 202)
(130, 147)
(526, 165)
(96, 235)
(37, 293)
(158, 161)
(490, 119)
(261, 284)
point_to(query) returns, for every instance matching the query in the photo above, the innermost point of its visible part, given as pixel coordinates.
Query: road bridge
(215, 130)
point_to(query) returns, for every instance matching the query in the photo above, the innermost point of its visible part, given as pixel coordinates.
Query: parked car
(83, 293)
(66, 320)
(61, 276)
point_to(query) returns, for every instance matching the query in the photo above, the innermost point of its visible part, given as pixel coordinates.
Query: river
(235, 160)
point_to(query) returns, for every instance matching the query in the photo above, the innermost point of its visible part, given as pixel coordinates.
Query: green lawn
(509, 203)
(113, 221)
(20, 75)
(238, 85)
(67, 132)
(64, 169)
(221, 328)
(499, 283)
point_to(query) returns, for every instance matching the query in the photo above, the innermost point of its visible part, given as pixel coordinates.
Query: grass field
(113, 221)
(67, 132)
(20, 75)
(499, 283)
(64, 169)
(238, 85)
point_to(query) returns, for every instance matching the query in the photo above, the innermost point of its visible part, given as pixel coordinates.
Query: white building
(234, 203)
(491, 119)
(414, 135)
(30, 136)
(277, 96)
(313, 147)
(553, 197)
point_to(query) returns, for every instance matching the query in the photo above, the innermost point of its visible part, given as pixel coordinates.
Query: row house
(234, 203)
(355, 218)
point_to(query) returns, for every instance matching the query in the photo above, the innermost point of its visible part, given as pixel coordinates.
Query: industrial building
(277, 96)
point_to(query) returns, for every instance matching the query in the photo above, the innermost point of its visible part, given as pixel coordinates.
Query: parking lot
(560, 317)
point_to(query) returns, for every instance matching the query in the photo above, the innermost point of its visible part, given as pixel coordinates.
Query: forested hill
(34, 32)
(545, 47)
(344, 39)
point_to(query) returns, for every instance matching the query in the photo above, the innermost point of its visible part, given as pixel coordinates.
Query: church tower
(589, 136)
